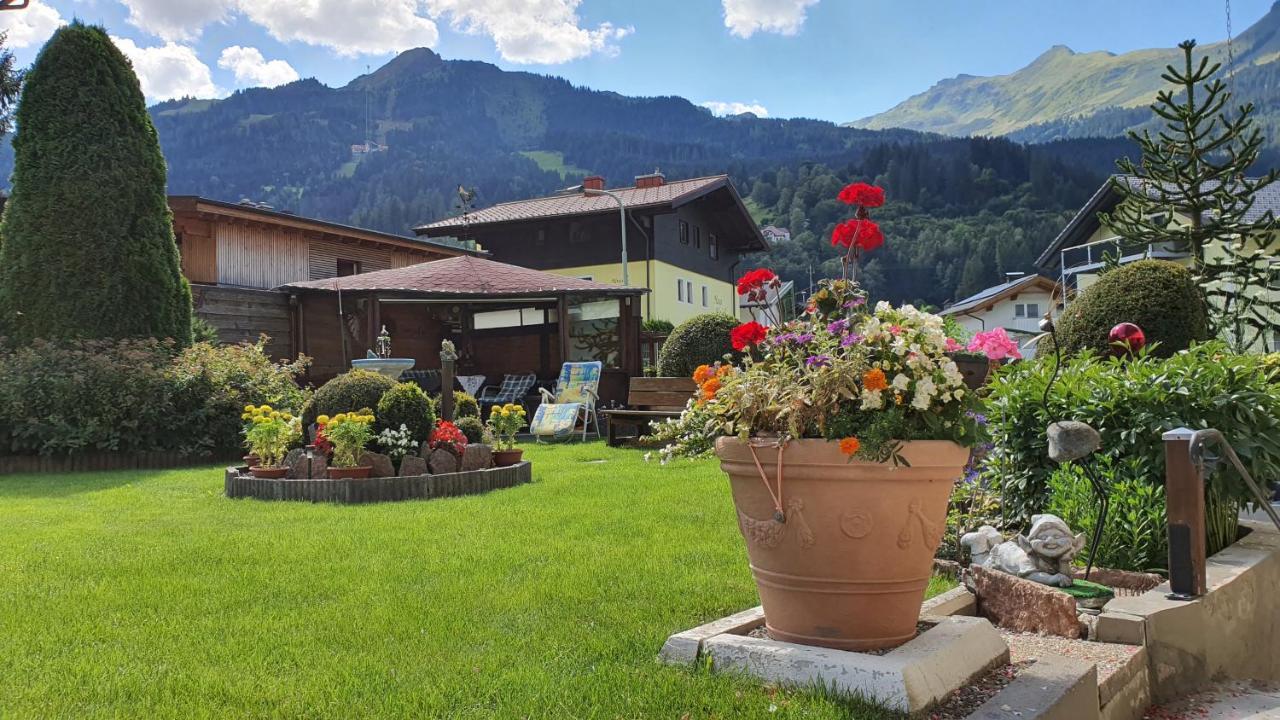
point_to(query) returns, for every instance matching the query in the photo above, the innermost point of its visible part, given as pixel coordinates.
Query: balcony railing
(1093, 256)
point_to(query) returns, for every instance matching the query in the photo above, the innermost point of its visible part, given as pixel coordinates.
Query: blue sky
(831, 59)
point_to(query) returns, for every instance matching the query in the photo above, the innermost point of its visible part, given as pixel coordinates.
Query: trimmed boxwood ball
(465, 405)
(406, 404)
(700, 340)
(351, 391)
(1156, 295)
(472, 428)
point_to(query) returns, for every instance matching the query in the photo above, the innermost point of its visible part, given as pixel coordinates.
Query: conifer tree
(86, 243)
(1196, 166)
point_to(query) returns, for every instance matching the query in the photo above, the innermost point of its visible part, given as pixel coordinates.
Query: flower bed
(240, 484)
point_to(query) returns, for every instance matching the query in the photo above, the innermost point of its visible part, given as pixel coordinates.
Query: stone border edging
(371, 490)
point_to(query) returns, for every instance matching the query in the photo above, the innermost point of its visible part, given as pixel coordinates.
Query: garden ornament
(1126, 339)
(1043, 555)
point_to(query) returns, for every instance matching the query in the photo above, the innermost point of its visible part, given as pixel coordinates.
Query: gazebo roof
(463, 277)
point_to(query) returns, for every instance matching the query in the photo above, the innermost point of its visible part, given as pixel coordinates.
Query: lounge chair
(514, 388)
(573, 401)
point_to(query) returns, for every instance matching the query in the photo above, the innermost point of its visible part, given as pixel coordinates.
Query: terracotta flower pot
(251, 460)
(849, 566)
(350, 473)
(503, 458)
(268, 472)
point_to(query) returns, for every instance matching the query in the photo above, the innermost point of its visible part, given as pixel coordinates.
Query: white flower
(901, 382)
(871, 400)
(648, 456)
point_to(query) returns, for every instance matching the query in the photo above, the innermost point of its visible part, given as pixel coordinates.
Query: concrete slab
(956, 601)
(683, 647)
(1230, 700)
(1054, 688)
(911, 678)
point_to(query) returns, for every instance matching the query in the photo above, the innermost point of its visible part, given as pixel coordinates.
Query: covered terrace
(504, 319)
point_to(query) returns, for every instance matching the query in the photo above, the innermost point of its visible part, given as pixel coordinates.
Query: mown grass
(149, 594)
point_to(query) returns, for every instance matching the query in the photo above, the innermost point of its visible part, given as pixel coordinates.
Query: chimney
(595, 182)
(653, 179)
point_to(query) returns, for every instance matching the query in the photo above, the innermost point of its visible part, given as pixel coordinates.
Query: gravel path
(1109, 657)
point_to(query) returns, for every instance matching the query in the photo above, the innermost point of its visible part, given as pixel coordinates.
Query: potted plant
(505, 421)
(842, 434)
(269, 434)
(348, 433)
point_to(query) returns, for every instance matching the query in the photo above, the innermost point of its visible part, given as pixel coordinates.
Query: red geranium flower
(861, 193)
(863, 233)
(747, 334)
(755, 280)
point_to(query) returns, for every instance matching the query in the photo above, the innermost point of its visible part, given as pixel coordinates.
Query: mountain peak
(411, 62)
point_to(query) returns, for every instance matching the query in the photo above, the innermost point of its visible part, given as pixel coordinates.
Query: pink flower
(953, 346)
(995, 344)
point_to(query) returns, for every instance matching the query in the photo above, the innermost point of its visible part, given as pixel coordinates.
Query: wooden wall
(260, 256)
(242, 315)
(199, 248)
(323, 258)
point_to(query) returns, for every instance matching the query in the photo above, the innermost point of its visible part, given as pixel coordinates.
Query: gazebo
(502, 318)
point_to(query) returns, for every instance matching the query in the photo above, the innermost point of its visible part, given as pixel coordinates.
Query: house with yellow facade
(684, 239)
(1082, 250)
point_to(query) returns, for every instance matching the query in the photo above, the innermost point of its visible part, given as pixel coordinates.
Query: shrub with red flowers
(748, 334)
(862, 194)
(447, 436)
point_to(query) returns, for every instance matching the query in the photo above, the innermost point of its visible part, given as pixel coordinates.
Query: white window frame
(706, 296)
(1033, 310)
(1019, 310)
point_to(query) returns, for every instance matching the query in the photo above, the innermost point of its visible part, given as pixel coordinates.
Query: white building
(775, 235)
(1016, 305)
(773, 306)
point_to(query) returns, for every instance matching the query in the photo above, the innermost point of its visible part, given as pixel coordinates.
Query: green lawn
(149, 594)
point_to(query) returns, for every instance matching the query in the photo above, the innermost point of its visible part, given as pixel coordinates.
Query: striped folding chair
(513, 389)
(573, 401)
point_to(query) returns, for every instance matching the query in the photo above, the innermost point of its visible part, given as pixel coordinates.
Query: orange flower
(897, 398)
(724, 370)
(849, 445)
(702, 374)
(710, 388)
(874, 380)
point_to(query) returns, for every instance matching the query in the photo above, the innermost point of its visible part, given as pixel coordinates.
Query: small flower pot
(273, 473)
(252, 460)
(503, 458)
(350, 473)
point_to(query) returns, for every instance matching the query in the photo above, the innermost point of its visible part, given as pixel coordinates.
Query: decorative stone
(1022, 605)
(296, 461)
(1043, 555)
(381, 464)
(477, 456)
(1071, 440)
(412, 465)
(424, 449)
(442, 461)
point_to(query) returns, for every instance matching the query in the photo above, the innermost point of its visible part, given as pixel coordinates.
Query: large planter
(268, 472)
(505, 458)
(849, 566)
(975, 368)
(350, 473)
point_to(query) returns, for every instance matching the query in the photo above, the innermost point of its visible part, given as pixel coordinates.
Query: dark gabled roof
(1266, 200)
(196, 203)
(674, 193)
(464, 277)
(999, 292)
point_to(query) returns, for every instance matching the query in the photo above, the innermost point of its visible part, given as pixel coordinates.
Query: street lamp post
(622, 226)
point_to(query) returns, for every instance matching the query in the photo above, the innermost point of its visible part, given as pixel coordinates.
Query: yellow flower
(288, 417)
(323, 420)
(249, 408)
(274, 415)
(265, 408)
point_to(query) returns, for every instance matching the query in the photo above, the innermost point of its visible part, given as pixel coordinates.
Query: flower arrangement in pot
(505, 421)
(842, 434)
(269, 434)
(348, 433)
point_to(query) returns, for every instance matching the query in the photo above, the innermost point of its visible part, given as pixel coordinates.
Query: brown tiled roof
(673, 193)
(465, 276)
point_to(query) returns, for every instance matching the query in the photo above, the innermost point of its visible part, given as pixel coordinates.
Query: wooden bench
(650, 399)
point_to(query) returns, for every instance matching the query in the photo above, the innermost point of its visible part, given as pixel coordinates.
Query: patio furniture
(428, 380)
(573, 401)
(651, 399)
(514, 388)
(471, 384)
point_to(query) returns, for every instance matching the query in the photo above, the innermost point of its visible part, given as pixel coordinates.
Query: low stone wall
(371, 490)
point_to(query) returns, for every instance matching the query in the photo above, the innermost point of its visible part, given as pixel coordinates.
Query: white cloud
(745, 17)
(251, 68)
(168, 71)
(32, 26)
(735, 108)
(531, 31)
(174, 19)
(350, 27)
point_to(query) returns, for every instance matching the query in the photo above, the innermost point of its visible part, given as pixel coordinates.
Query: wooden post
(562, 324)
(447, 359)
(1184, 492)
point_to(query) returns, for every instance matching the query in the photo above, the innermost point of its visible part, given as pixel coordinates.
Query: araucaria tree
(1192, 190)
(86, 244)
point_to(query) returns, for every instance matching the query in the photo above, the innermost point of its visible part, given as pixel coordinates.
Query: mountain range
(1064, 94)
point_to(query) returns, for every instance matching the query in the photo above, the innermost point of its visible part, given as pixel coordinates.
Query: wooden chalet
(504, 319)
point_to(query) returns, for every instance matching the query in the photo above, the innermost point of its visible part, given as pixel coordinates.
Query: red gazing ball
(1126, 339)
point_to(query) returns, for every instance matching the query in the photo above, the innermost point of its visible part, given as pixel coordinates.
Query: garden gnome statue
(1043, 555)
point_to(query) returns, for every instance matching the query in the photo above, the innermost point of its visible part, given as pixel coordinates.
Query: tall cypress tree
(86, 243)
(1195, 165)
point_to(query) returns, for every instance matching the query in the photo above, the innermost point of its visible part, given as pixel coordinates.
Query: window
(697, 237)
(679, 290)
(1019, 310)
(713, 246)
(705, 296)
(684, 233)
(1033, 310)
(348, 267)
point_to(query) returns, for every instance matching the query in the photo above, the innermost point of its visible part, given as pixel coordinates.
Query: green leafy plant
(269, 433)
(658, 326)
(1158, 296)
(349, 433)
(1132, 402)
(465, 405)
(472, 428)
(350, 391)
(1135, 537)
(505, 421)
(698, 341)
(405, 405)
